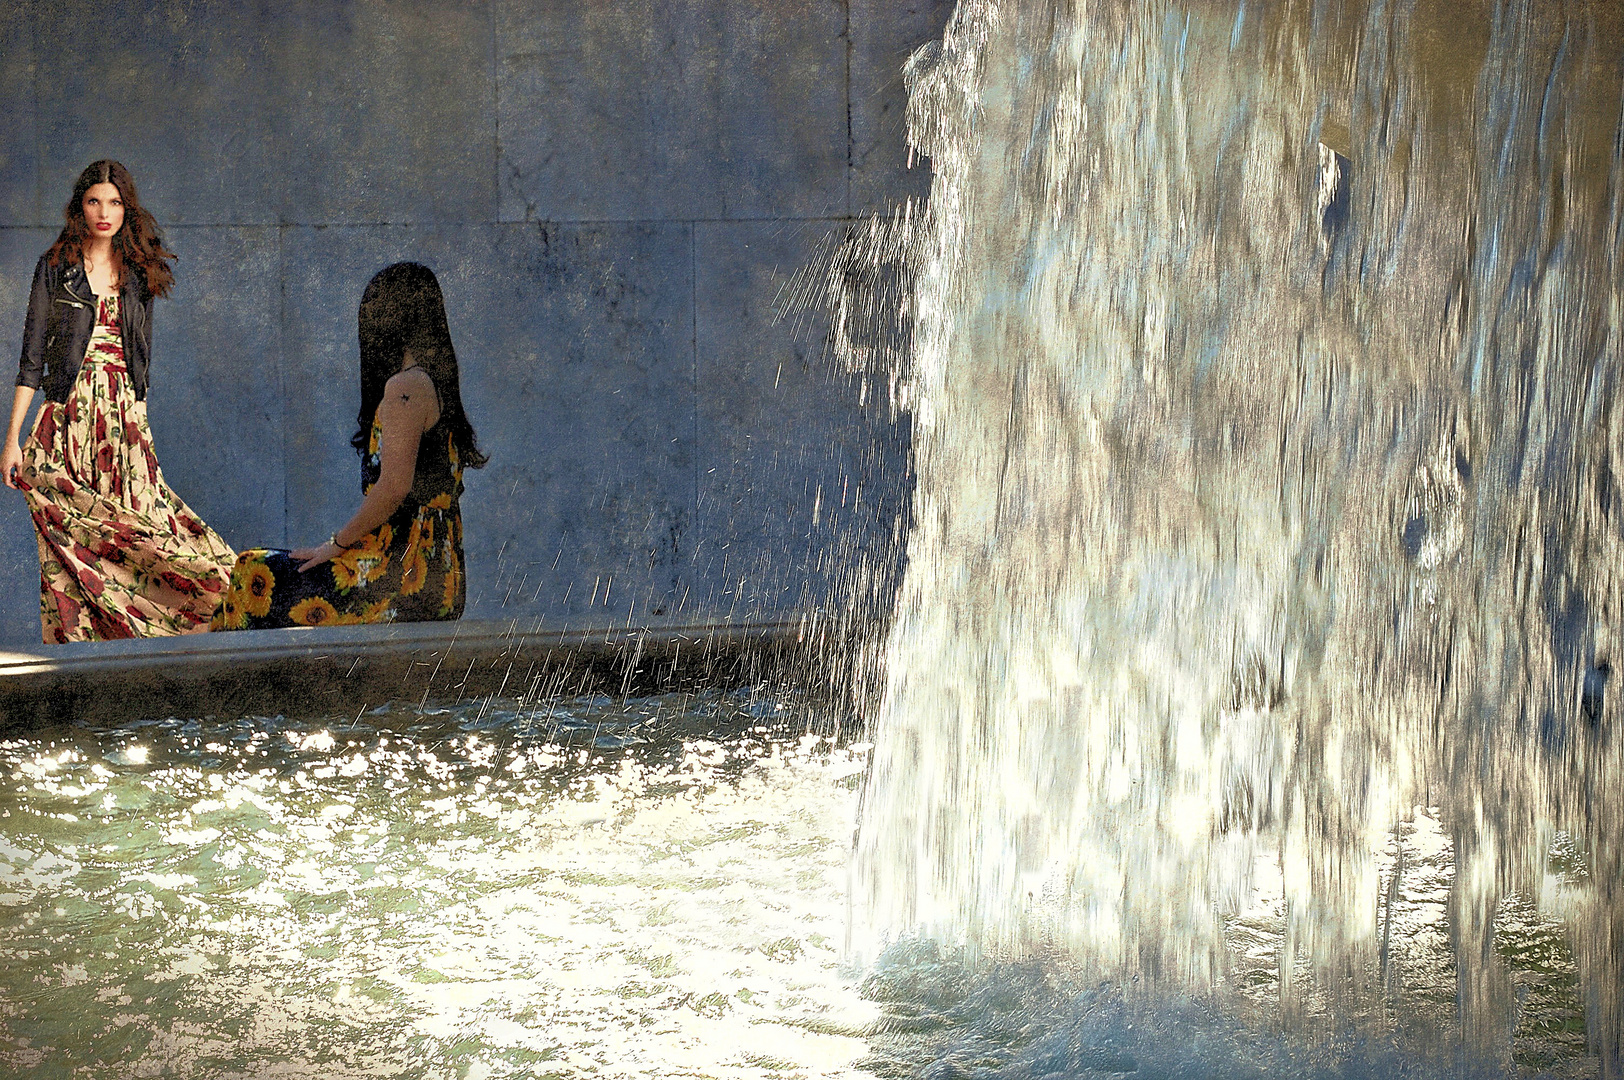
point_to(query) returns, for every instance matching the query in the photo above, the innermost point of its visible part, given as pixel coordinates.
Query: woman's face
(104, 210)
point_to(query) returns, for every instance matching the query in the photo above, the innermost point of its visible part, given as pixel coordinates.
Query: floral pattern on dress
(409, 569)
(120, 554)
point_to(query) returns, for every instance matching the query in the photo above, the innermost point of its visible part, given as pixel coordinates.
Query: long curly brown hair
(138, 244)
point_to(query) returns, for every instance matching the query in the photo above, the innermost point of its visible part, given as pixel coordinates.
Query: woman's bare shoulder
(409, 383)
(411, 393)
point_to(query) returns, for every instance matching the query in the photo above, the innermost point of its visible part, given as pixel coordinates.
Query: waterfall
(1263, 368)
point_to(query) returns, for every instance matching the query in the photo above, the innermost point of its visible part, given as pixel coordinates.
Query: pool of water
(594, 887)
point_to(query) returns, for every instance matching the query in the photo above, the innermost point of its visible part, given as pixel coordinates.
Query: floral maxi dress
(409, 569)
(120, 554)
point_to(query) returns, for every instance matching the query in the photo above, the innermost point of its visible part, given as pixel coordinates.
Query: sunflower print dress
(409, 569)
(120, 554)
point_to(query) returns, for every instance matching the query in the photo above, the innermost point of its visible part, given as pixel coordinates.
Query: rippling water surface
(652, 887)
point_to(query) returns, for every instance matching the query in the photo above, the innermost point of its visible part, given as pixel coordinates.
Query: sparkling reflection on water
(649, 887)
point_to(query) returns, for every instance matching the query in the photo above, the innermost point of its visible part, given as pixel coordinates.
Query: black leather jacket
(61, 316)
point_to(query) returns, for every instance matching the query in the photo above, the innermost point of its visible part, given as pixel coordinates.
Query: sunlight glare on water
(653, 888)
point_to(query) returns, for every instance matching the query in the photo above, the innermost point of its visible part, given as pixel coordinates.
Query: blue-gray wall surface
(614, 194)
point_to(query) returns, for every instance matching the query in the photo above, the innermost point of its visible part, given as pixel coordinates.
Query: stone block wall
(614, 194)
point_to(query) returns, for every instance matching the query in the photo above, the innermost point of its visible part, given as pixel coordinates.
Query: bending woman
(120, 554)
(399, 558)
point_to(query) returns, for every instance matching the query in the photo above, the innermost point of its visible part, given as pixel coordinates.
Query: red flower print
(66, 486)
(152, 462)
(45, 430)
(107, 551)
(132, 433)
(184, 586)
(212, 584)
(92, 583)
(104, 458)
(110, 626)
(82, 553)
(54, 515)
(101, 427)
(67, 609)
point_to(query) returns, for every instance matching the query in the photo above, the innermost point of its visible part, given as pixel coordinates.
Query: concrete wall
(613, 193)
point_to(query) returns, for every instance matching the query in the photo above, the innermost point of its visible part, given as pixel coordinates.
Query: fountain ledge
(347, 669)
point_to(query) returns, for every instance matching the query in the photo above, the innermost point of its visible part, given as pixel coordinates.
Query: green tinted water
(655, 887)
(647, 888)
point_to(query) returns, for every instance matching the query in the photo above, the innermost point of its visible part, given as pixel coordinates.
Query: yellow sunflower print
(408, 568)
(315, 611)
(453, 578)
(377, 611)
(417, 570)
(230, 615)
(365, 561)
(257, 585)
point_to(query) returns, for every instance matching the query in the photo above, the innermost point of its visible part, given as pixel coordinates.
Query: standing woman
(399, 557)
(120, 554)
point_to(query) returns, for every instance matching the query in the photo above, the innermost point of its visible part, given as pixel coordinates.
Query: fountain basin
(353, 667)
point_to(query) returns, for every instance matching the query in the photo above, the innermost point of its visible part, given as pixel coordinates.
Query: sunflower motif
(347, 570)
(315, 611)
(453, 580)
(229, 615)
(258, 582)
(441, 501)
(416, 572)
(364, 561)
(377, 611)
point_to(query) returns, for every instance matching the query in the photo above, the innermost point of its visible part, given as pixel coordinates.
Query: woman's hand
(11, 454)
(407, 410)
(312, 557)
(11, 463)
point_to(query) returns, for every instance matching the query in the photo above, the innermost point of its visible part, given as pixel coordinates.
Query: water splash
(1262, 375)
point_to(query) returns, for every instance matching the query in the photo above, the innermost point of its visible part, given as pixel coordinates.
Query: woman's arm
(406, 411)
(31, 366)
(11, 455)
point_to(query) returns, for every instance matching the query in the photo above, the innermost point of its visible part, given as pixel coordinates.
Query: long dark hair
(138, 243)
(403, 308)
